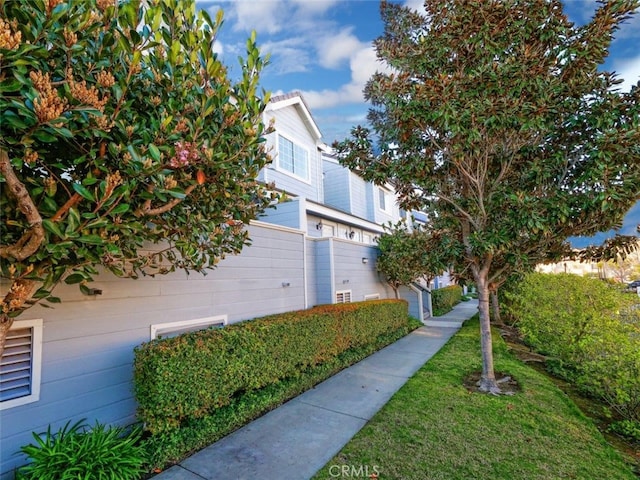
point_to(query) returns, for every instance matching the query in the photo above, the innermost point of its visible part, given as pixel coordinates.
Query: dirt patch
(508, 384)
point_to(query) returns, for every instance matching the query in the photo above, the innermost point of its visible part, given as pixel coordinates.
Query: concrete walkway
(298, 438)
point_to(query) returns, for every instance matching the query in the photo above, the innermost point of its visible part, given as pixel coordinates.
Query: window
(343, 296)
(293, 158)
(382, 199)
(173, 329)
(20, 364)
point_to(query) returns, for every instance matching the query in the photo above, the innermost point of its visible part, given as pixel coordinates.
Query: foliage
(627, 428)
(407, 255)
(588, 328)
(172, 446)
(444, 299)
(124, 143)
(433, 428)
(496, 119)
(181, 379)
(101, 453)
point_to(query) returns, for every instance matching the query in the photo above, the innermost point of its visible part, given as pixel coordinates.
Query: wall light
(286, 284)
(365, 260)
(319, 225)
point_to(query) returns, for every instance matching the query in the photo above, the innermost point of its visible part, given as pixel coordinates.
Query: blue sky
(323, 49)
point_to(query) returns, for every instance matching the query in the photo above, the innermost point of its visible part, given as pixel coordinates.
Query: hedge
(590, 331)
(179, 380)
(444, 299)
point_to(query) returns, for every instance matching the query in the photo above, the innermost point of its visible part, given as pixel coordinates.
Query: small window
(293, 158)
(20, 364)
(372, 296)
(173, 329)
(382, 199)
(343, 296)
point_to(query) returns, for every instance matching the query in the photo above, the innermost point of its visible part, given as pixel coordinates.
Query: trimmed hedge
(444, 299)
(180, 380)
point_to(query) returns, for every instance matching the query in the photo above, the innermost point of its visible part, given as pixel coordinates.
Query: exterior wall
(285, 214)
(415, 302)
(350, 273)
(337, 191)
(88, 342)
(323, 253)
(289, 123)
(359, 198)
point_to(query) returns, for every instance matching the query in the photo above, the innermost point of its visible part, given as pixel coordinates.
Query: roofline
(296, 99)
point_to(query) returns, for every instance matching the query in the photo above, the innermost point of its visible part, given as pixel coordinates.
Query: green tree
(497, 117)
(409, 254)
(124, 144)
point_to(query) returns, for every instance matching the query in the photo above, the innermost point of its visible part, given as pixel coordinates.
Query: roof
(296, 99)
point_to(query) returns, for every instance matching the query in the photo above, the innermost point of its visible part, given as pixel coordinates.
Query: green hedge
(444, 299)
(589, 329)
(179, 380)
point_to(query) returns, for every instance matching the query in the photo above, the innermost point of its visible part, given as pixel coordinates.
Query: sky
(323, 49)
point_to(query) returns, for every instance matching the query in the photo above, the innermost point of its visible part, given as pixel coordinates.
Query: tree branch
(146, 210)
(32, 238)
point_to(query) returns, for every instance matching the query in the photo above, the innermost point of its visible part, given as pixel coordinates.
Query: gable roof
(295, 99)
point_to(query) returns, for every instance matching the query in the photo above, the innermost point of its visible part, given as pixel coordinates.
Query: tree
(496, 117)
(407, 255)
(124, 144)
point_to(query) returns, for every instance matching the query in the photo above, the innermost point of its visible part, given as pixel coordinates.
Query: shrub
(590, 330)
(74, 452)
(444, 299)
(182, 379)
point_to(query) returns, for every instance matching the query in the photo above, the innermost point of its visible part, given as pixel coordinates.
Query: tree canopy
(124, 144)
(498, 117)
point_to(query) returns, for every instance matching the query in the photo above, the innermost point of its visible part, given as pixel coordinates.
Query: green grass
(433, 428)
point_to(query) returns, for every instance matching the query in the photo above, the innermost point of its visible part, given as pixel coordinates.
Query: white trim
(283, 170)
(372, 296)
(330, 213)
(332, 269)
(36, 363)
(274, 226)
(197, 322)
(298, 102)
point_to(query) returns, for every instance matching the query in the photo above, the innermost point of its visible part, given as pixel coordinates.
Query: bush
(76, 453)
(181, 379)
(444, 299)
(589, 328)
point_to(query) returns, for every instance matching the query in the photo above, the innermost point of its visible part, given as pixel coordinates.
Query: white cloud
(218, 47)
(315, 7)
(415, 5)
(251, 15)
(629, 71)
(336, 48)
(288, 55)
(363, 64)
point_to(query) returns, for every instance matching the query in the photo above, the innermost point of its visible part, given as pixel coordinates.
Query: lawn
(434, 428)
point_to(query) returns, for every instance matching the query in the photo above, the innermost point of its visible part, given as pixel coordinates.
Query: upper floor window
(293, 158)
(382, 195)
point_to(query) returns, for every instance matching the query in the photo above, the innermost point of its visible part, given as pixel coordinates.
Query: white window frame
(372, 296)
(345, 294)
(36, 363)
(382, 199)
(286, 171)
(203, 323)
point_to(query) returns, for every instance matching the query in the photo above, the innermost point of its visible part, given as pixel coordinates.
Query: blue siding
(88, 343)
(323, 260)
(351, 274)
(336, 186)
(286, 214)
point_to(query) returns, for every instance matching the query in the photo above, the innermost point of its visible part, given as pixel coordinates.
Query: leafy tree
(496, 117)
(407, 255)
(124, 144)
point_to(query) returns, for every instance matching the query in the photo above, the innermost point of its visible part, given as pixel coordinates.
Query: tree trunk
(488, 381)
(495, 306)
(14, 301)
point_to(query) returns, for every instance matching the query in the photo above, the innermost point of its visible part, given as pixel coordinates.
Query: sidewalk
(298, 438)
